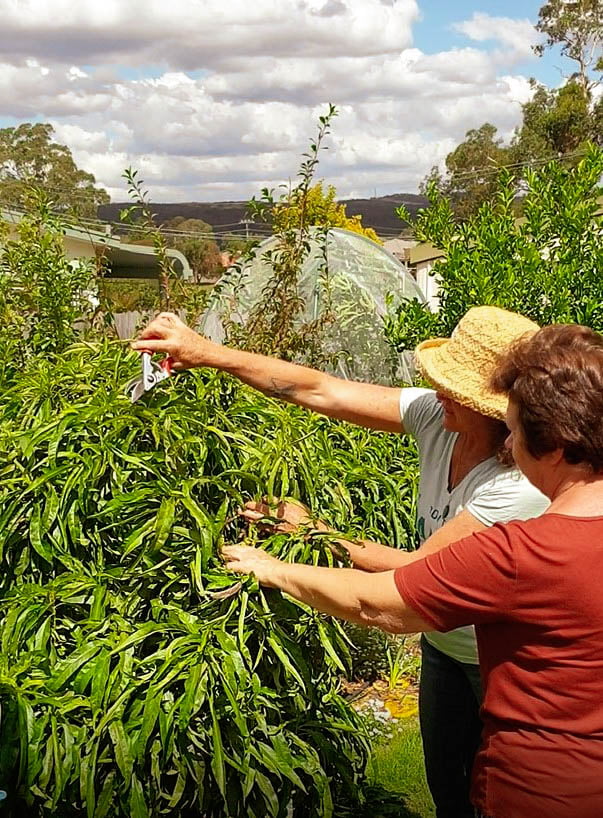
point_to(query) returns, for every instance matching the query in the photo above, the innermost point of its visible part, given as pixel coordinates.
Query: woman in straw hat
(531, 587)
(466, 485)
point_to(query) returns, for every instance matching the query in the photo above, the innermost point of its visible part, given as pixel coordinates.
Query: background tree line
(556, 123)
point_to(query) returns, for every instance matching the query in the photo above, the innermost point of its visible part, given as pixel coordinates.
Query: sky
(213, 100)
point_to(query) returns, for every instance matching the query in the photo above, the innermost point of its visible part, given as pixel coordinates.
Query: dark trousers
(449, 700)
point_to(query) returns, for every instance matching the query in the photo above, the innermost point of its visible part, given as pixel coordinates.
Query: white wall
(428, 283)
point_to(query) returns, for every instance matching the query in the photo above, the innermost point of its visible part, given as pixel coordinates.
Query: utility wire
(496, 169)
(486, 169)
(260, 230)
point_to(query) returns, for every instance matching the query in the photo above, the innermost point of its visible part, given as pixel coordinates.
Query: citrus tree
(546, 264)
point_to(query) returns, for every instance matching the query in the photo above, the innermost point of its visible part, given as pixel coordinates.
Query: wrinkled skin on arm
(371, 600)
(365, 404)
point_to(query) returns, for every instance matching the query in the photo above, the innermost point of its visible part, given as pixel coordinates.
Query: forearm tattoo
(280, 389)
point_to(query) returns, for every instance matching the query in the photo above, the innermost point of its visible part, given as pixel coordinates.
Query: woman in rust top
(532, 588)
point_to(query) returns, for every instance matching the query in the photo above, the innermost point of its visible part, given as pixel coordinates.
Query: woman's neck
(478, 443)
(481, 441)
(470, 449)
(578, 496)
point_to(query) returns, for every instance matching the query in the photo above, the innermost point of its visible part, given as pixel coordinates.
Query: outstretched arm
(372, 556)
(367, 599)
(367, 555)
(370, 405)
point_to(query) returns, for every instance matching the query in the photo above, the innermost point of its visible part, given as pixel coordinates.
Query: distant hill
(377, 213)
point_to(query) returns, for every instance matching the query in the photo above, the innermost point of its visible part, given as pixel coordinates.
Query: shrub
(132, 681)
(136, 677)
(546, 265)
(42, 292)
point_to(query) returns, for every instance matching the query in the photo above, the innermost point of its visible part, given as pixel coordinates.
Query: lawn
(396, 765)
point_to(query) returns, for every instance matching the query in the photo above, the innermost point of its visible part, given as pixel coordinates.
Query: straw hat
(461, 365)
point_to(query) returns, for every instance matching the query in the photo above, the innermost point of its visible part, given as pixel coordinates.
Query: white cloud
(215, 100)
(517, 36)
(193, 34)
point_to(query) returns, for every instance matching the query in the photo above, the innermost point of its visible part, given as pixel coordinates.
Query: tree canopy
(471, 170)
(198, 245)
(320, 208)
(30, 158)
(558, 122)
(577, 27)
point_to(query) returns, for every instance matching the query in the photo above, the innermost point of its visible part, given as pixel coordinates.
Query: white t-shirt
(492, 493)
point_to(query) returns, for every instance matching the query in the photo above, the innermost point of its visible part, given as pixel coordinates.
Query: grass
(396, 765)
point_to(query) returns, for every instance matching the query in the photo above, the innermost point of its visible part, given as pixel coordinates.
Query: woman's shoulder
(557, 521)
(500, 494)
(546, 533)
(420, 411)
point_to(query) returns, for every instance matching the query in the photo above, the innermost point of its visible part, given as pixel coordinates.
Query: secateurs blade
(152, 374)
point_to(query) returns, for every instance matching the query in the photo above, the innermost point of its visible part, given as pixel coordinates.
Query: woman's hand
(243, 559)
(292, 513)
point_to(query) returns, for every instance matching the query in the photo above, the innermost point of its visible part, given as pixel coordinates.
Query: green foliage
(273, 325)
(546, 265)
(200, 247)
(140, 214)
(556, 123)
(576, 26)
(30, 158)
(471, 168)
(42, 292)
(408, 324)
(173, 292)
(130, 294)
(142, 295)
(403, 660)
(125, 670)
(369, 652)
(236, 245)
(320, 208)
(397, 765)
(137, 678)
(293, 298)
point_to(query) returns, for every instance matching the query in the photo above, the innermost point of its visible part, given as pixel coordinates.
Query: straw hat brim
(466, 386)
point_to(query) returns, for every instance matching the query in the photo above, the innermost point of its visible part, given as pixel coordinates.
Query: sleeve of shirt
(418, 409)
(471, 582)
(508, 496)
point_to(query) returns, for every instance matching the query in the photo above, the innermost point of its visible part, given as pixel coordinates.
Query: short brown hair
(555, 378)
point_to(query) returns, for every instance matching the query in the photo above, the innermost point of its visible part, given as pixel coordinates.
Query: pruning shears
(152, 374)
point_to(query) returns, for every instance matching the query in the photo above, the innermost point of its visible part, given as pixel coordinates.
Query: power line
(485, 170)
(97, 225)
(230, 229)
(496, 169)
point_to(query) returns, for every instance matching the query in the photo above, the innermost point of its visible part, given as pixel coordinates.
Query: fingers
(256, 506)
(239, 558)
(162, 325)
(292, 514)
(233, 551)
(169, 317)
(250, 514)
(150, 344)
(242, 559)
(156, 329)
(293, 501)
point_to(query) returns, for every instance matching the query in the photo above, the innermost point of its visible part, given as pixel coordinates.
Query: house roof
(123, 260)
(399, 245)
(424, 252)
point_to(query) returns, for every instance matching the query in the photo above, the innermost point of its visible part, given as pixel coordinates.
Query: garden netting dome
(345, 270)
